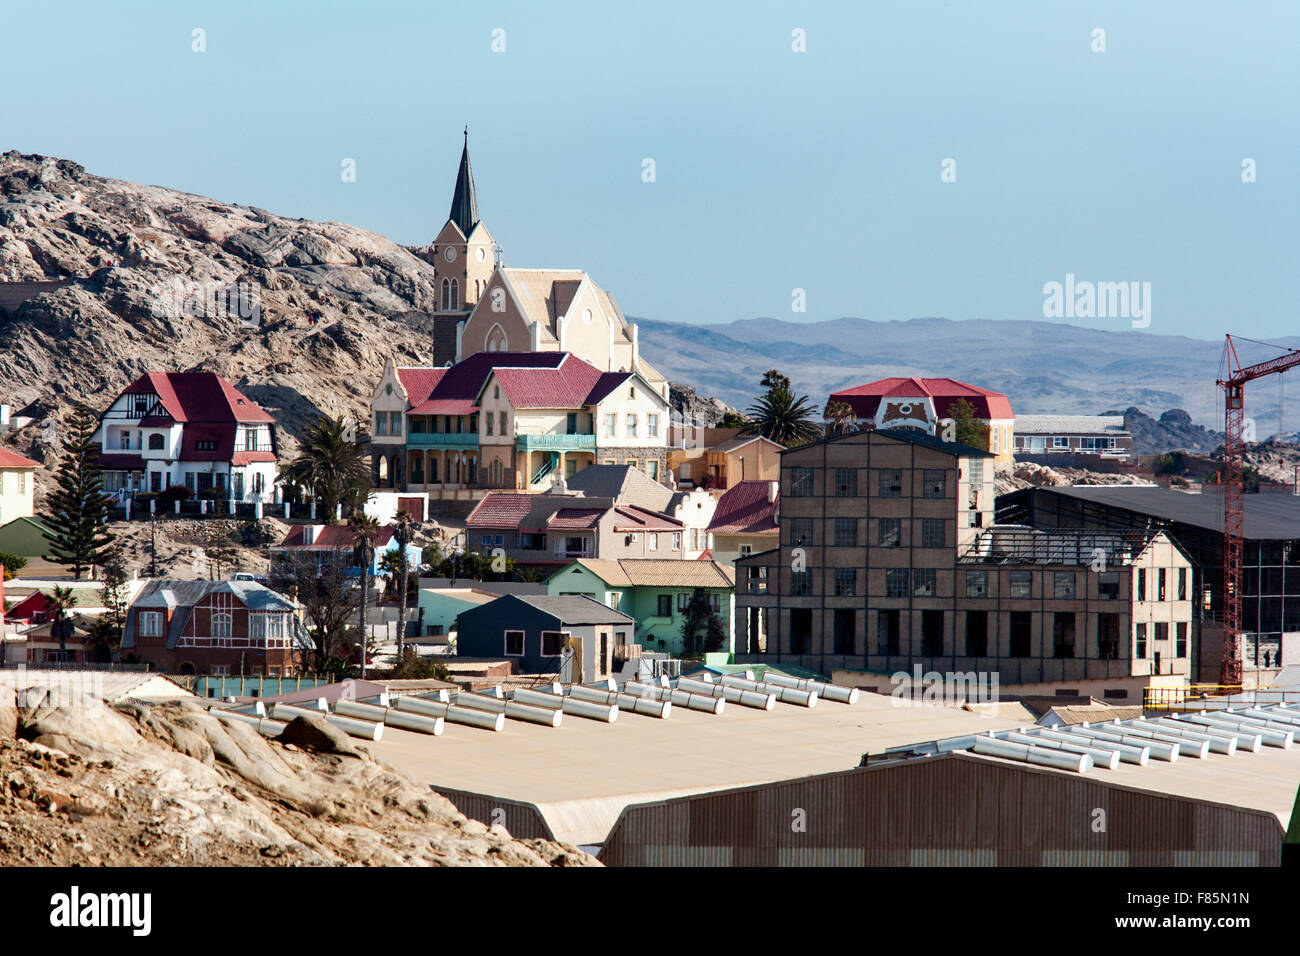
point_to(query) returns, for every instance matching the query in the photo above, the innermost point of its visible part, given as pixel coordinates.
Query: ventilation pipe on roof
(1263, 734)
(481, 702)
(1127, 754)
(451, 713)
(569, 705)
(1155, 749)
(731, 694)
(709, 705)
(1276, 715)
(1220, 743)
(533, 715)
(1100, 758)
(1200, 749)
(842, 695)
(786, 695)
(365, 729)
(1043, 757)
(419, 723)
(267, 728)
(646, 706)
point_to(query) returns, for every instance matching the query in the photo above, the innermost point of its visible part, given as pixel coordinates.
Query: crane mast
(1234, 408)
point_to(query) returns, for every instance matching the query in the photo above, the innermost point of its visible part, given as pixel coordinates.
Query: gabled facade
(727, 459)
(744, 521)
(511, 420)
(654, 592)
(17, 486)
(190, 429)
(923, 404)
(216, 627)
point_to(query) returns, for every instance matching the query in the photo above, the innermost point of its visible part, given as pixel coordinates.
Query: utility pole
(153, 544)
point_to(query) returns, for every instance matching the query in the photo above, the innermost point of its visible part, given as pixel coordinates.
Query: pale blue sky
(775, 170)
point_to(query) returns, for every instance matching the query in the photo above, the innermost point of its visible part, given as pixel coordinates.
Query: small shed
(571, 636)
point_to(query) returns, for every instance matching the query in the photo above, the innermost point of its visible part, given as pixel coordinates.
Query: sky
(799, 150)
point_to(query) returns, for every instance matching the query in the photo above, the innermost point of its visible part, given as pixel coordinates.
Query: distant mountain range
(1044, 367)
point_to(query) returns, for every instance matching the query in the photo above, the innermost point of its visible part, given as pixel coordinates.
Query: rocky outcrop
(689, 406)
(87, 784)
(164, 280)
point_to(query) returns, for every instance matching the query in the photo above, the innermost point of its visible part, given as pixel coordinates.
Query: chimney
(636, 354)
(772, 487)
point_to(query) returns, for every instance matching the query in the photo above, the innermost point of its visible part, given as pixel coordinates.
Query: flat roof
(1268, 516)
(582, 774)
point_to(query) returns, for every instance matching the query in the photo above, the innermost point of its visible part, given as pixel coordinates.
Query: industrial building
(889, 561)
(1270, 596)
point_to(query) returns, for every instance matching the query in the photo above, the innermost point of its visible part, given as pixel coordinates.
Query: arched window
(446, 295)
(455, 295)
(156, 442)
(221, 625)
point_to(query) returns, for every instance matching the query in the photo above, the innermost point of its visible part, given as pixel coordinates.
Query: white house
(191, 429)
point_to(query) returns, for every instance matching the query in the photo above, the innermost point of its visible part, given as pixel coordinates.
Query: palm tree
(839, 417)
(781, 417)
(403, 534)
(62, 600)
(365, 530)
(331, 466)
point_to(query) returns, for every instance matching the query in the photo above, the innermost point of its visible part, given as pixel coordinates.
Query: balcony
(456, 440)
(556, 443)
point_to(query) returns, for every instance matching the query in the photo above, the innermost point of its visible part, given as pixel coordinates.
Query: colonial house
(924, 404)
(17, 486)
(549, 530)
(744, 522)
(321, 542)
(191, 429)
(655, 593)
(511, 420)
(888, 561)
(216, 627)
(572, 637)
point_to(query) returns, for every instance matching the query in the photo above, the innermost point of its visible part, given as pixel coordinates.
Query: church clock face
(450, 254)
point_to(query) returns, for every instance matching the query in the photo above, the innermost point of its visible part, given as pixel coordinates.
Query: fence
(1195, 697)
(240, 510)
(222, 686)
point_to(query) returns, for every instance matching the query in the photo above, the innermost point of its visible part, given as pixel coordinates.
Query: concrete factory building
(889, 561)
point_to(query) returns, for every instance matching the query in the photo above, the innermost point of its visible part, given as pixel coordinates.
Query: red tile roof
(500, 509)
(632, 518)
(865, 399)
(744, 509)
(419, 382)
(607, 382)
(565, 387)
(199, 397)
(11, 459)
(574, 519)
(248, 457)
(465, 379)
(445, 406)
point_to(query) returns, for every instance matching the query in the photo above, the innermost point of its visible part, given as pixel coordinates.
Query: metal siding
(523, 820)
(942, 811)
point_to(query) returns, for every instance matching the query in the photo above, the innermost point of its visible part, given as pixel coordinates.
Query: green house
(654, 592)
(25, 537)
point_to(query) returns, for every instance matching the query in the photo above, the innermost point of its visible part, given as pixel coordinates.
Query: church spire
(464, 202)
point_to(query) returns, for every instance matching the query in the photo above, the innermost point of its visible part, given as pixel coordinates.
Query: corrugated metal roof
(1267, 516)
(1070, 424)
(745, 509)
(625, 484)
(574, 608)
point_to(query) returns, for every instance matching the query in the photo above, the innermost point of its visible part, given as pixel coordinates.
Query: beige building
(888, 561)
(720, 458)
(17, 486)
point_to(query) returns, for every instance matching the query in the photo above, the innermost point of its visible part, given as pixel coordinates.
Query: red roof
(573, 519)
(11, 459)
(632, 518)
(199, 397)
(35, 609)
(115, 462)
(419, 382)
(445, 406)
(248, 457)
(565, 387)
(865, 399)
(745, 509)
(500, 509)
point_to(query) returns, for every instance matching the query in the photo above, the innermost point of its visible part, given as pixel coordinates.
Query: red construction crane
(1234, 405)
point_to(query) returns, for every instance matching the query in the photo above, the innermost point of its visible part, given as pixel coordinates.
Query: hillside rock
(170, 785)
(1174, 430)
(164, 280)
(689, 406)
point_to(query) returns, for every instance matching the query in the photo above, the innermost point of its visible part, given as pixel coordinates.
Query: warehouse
(930, 806)
(1270, 602)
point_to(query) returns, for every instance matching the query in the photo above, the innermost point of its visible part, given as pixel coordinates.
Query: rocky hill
(83, 783)
(161, 279)
(1174, 430)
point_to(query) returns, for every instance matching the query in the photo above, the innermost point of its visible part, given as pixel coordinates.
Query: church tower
(463, 253)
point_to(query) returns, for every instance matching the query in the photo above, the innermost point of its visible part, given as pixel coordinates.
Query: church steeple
(464, 202)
